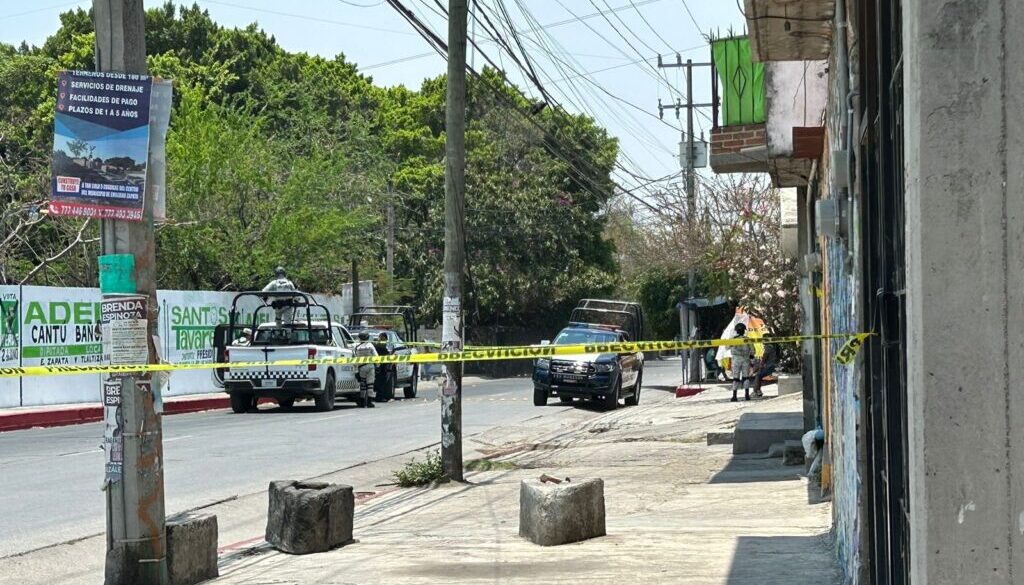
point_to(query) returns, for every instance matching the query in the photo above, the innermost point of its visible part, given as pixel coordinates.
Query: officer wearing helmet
(365, 372)
(280, 283)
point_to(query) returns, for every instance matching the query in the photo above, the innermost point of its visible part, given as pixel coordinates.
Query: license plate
(268, 383)
(571, 377)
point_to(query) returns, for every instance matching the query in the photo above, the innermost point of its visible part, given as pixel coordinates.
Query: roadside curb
(74, 415)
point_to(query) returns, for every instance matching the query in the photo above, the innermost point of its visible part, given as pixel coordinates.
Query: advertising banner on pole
(100, 145)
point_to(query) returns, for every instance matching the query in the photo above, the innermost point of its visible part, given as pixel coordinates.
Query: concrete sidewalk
(678, 510)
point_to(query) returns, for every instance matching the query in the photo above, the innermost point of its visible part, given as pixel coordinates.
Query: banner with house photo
(100, 145)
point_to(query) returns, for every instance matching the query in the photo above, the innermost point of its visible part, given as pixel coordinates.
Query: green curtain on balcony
(742, 79)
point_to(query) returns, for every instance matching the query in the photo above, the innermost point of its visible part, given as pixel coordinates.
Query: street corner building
(896, 128)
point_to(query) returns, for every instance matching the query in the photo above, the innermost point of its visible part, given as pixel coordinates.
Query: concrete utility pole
(687, 315)
(454, 239)
(390, 259)
(355, 286)
(136, 548)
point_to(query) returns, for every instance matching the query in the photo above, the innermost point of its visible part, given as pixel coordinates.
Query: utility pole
(390, 259)
(136, 547)
(687, 315)
(454, 239)
(355, 286)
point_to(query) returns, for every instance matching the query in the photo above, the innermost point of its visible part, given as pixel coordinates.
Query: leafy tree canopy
(286, 158)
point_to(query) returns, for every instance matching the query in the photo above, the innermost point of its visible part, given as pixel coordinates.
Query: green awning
(742, 87)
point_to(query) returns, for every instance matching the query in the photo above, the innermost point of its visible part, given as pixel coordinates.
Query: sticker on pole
(125, 339)
(113, 433)
(100, 145)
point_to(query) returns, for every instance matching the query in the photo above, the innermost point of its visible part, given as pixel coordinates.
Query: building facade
(899, 122)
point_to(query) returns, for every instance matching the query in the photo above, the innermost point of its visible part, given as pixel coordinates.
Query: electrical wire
(357, 5)
(694, 20)
(653, 30)
(304, 17)
(546, 26)
(585, 180)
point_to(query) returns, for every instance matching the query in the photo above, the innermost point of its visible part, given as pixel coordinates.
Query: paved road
(51, 478)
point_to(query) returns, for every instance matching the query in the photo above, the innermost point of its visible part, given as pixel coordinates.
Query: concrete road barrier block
(552, 514)
(309, 517)
(192, 548)
(790, 384)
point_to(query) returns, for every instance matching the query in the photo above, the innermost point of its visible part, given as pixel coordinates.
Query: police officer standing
(280, 283)
(365, 372)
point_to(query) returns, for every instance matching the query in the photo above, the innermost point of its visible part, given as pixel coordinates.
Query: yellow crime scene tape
(523, 352)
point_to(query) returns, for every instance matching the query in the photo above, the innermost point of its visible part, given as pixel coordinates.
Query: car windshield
(375, 334)
(574, 336)
(298, 335)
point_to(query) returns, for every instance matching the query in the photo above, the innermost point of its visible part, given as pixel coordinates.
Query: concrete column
(964, 144)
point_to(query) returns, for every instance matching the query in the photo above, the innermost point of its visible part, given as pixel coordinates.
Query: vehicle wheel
(635, 398)
(384, 388)
(611, 400)
(286, 403)
(414, 384)
(241, 403)
(565, 399)
(540, 397)
(325, 401)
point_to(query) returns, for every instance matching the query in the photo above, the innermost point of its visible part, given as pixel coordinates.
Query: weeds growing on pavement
(417, 473)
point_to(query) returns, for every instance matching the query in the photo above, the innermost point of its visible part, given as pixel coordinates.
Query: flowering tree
(733, 241)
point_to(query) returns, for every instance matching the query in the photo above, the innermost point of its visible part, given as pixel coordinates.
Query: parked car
(389, 328)
(602, 377)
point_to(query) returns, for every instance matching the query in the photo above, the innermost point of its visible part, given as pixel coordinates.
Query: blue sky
(380, 41)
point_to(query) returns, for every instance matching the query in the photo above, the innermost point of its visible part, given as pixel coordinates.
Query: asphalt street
(51, 478)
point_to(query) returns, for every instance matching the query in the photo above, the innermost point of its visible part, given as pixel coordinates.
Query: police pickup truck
(604, 378)
(306, 332)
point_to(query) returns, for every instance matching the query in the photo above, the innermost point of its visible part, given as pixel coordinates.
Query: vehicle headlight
(543, 363)
(604, 367)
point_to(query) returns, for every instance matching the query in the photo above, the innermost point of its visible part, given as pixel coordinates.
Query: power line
(357, 5)
(441, 47)
(44, 9)
(546, 26)
(555, 59)
(310, 18)
(653, 30)
(559, 62)
(582, 178)
(695, 23)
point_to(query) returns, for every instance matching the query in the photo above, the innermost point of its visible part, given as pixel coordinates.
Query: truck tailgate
(266, 355)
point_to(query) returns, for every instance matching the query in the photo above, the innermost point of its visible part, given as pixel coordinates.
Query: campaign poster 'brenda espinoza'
(100, 145)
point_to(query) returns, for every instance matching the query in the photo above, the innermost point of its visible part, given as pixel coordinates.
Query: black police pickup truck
(602, 377)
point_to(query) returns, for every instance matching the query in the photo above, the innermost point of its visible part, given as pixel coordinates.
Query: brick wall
(725, 139)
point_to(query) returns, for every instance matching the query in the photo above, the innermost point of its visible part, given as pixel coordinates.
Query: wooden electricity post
(454, 239)
(136, 547)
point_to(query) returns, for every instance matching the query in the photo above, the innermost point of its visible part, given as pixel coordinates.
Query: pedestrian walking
(741, 366)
